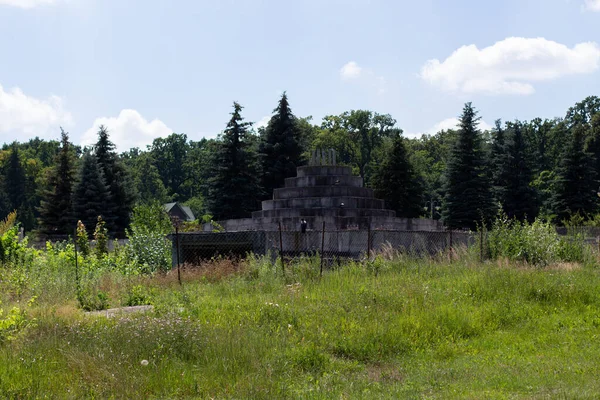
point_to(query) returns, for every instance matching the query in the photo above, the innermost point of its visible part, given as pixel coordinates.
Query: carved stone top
(320, 157)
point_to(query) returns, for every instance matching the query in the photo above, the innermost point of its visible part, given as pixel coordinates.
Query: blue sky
(147, 68)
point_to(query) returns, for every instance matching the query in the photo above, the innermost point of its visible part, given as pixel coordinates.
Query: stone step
(327, 180)
(324, 202)
(321, 191)
(323, 170)
(322, 212)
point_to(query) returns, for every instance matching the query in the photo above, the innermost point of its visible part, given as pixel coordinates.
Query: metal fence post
(322, 248)
(481, 245)
(77, 284)
(369, 243)
(281, 248)
(451, 246)
(178, 259)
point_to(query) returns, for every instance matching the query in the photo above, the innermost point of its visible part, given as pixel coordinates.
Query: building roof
(184, 209)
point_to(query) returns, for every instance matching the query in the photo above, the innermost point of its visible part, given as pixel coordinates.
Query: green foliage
(91, 196)
(138, 295)
(396, 182)
(119, 184)
(234, 188)
(537, 243)
(14, 322)
(356, 136)
(82, 240)
(468, 196)
(56, 207)
(576, 185)
(280, 150)
(101, 238)
(148, 245)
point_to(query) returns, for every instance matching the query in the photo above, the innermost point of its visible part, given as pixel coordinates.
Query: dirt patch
(383, 373)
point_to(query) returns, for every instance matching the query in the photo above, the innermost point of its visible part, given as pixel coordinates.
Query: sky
(147, 68)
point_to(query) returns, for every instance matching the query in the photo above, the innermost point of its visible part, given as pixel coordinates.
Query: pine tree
(516, 196)
(56, 208)
(118, 182)
(468, 197)
(576, 186)
(91, 196)
(498, 160)
(396, 182)
(233, 187)
(14, 180)
(280, 149)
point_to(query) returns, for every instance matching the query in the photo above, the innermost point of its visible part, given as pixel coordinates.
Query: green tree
(515, 193)
(234, 189)
(118, 182)
(356, 136)
(14, 180)
(576, 186)
(56, 207)
(90, 195)
(396, 182)
(280, 149)
(149, 186)
(170, 154)
(468, 197)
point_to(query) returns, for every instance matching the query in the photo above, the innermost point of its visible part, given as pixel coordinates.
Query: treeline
(544, 167)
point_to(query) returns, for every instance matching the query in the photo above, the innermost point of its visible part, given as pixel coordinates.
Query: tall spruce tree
(576, 186)
(56, 207)
(396, 182)
(497, 160)
(14, 179)
(515, 194)
(118, 181)
(468, 196)
(91, 195)
(233, 188)
(280, 148)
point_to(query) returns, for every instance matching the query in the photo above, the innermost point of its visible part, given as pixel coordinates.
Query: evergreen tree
(14, 180)
(280, 149)
(118, 182)
(234, 187)
(396, 182)
(516, 195)
(468, 196)
(498, 160)
(576, 186)
(56, 208)
(91, 195)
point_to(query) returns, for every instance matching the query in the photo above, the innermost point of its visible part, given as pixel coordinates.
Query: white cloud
(350, 71)
(128, 130)
(27, 3)
(510, 66)
(23, 115)
(263, 122)
(366, 77)
(592, 5)
(448, 123)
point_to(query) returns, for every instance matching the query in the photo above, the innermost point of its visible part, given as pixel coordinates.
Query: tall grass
(245, 329)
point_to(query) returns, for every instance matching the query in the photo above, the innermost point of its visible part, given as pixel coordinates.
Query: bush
(148, 246)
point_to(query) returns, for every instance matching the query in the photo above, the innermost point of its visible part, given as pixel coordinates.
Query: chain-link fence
(331, 246)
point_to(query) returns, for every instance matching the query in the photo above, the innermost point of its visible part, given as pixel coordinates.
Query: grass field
(400, 329)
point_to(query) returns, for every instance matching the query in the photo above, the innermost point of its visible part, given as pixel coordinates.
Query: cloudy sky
(146, 68)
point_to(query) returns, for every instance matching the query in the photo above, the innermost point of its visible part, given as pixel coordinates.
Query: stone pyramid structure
(325, 192)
